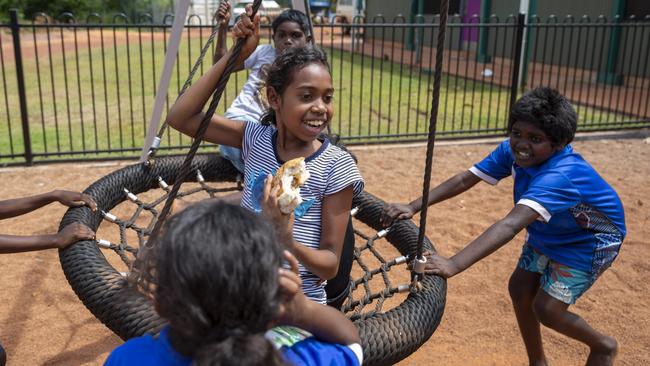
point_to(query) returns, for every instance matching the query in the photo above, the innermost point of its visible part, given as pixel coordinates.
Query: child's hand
(72, 234)
(271, 210)
(293, 301)
(437, 265)
(75, 199)
(223, 13)
(396, 211)
(245, 28)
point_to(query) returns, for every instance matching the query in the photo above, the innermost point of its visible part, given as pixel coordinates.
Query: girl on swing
(299, 92)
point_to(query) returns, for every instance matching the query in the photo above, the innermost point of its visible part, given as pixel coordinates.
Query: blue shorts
(559, 281)
(232, 153)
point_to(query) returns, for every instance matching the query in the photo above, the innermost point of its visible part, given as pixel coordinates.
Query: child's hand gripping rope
(248, 29)
(75, 199)
(223, 13)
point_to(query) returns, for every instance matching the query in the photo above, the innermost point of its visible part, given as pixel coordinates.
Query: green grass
(106, 104)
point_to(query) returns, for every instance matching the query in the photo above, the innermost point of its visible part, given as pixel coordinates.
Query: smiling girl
(300, 92)
(290, 29)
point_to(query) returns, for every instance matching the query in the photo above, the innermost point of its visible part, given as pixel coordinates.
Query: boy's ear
(558, 146)
(273, 97)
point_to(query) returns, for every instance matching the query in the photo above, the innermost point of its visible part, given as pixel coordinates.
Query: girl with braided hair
(216, 274)
(300, 93)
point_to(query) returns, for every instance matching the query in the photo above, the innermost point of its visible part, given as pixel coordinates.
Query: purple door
(472, 11)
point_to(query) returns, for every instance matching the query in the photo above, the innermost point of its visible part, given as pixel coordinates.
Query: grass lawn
(98, 96)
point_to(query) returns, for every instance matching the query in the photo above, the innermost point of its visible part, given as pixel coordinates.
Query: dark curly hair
(292, 15)
(550, 111)
(213, 275)
(280, 73)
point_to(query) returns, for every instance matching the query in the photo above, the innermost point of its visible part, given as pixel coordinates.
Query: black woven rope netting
(393, 320)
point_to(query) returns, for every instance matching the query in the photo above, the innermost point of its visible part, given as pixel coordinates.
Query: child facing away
(290, 29)
(70, 234)
(216, 276)
(574, 219)
(299, 90)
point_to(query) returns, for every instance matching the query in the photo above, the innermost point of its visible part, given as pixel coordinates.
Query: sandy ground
(43, 322)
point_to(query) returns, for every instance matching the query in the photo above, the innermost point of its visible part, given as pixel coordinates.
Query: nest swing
(388, 336)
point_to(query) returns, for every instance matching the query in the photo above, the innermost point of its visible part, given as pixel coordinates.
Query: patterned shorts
(561, 282)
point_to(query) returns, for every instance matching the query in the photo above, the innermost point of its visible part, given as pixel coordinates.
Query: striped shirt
(330, 171)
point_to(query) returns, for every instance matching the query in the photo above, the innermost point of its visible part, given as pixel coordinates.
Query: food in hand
(289, 178)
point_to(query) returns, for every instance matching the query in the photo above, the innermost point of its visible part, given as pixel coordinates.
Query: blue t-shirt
(158, 351)
(331, 170)
(582, 223)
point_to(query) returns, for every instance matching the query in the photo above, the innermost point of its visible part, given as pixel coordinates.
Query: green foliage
(82, 8)
(54, 8)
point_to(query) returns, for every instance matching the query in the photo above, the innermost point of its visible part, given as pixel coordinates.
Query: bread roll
(289, 178)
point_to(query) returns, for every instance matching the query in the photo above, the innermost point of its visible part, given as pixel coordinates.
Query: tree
(81, 8)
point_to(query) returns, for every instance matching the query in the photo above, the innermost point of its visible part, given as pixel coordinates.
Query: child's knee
(522, 288)
(548, 310)
(517, 291)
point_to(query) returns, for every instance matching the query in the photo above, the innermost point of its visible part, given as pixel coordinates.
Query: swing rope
(198, 137)
(435, 101)
(156, 142)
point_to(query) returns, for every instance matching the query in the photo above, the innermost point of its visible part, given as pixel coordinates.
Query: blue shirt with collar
(158, 351)
(582, 222)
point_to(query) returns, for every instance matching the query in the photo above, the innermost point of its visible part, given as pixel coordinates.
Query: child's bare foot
(604, 355)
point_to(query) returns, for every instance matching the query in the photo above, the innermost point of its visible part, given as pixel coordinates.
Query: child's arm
(20, 206)
(221, 48)
(70, 234)
(492, 239)
(335, 213)
(324, 322)
(453, 186)
(186, 113)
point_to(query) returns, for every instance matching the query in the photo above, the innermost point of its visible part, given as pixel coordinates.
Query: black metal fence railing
(71, 90)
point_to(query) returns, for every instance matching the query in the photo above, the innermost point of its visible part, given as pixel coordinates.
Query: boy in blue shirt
(574, 219)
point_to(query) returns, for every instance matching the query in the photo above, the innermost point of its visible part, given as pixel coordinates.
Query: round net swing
(395, 310)
(393, 322)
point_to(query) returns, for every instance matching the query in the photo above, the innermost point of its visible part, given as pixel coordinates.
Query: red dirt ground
(43, 322)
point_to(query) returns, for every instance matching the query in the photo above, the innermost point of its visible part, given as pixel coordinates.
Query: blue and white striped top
(330, 171)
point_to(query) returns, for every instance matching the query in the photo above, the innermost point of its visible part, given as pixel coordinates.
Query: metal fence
(84, 90)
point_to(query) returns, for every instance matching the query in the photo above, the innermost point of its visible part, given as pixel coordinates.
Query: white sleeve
(264, 54)
(483, 176)
(536, 207)
(358, 351)
(252, 59)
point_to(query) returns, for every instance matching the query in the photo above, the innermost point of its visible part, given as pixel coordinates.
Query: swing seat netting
(387, 336)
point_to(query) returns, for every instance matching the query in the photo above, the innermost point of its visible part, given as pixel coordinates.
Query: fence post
(516, 62)
(482, 55)
(20, 76)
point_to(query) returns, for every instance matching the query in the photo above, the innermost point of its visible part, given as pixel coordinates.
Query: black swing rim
(386, 337)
